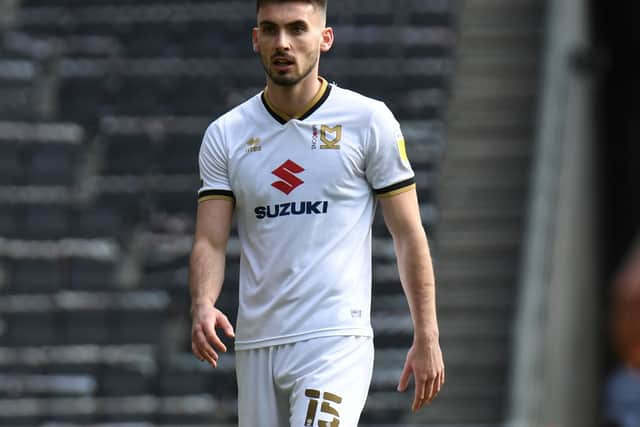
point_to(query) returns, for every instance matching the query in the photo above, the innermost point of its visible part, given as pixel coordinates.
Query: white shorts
(321, 382)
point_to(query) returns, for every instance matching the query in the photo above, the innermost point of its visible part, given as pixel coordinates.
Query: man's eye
(269, 30)
(299, 29)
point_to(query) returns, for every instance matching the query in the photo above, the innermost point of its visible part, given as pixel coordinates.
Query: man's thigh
(259, 402)
(327, 380)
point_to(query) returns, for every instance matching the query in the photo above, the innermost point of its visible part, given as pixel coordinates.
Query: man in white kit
(302, 164)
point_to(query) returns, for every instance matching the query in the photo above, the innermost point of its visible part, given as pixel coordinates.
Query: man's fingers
(419, 396)
(196, 352)
(205, 348)
(212, 338)
(201, 355)
(404, 378)
(431, 389)
(226, 326)
(204, 336)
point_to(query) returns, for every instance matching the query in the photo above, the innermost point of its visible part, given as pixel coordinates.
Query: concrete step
(490, 279)
(483, 189)
(471, 243)
(394, 408)
(477, 86)
(508, 100)
(479, 174)
(482, 407)
(486, 154)
(490, 115)
(484, 183)
(474, 105)
(496, 65)
(456, 217)
(464, 134)
(454, 322)
(502, 15)
(480, 149)
(477, 298)
(485, 266)
(455, 226)
(479, 178)
(489, 45)
(466, 197)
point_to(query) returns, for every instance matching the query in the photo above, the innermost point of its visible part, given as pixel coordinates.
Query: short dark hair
(322, 4)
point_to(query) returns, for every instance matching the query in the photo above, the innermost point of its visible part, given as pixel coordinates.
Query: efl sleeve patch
(387, 162)
(402, 147)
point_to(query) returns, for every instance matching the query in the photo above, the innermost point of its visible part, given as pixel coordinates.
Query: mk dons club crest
(330, 137)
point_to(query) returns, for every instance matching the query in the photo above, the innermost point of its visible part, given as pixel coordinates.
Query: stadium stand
(102, 108)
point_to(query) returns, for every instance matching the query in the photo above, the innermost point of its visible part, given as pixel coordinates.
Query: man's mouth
(282, 63)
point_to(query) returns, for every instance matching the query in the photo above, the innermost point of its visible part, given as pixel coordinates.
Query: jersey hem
(288, 339)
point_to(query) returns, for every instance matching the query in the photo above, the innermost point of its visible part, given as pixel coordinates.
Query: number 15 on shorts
(325, 408)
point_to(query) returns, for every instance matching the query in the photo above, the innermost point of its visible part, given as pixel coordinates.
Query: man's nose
(282, 40)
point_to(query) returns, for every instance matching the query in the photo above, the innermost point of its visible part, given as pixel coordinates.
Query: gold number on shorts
(313, 396)
(325, 408)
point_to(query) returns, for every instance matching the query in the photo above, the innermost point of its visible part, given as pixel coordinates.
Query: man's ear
(254, 39)
(327, 39)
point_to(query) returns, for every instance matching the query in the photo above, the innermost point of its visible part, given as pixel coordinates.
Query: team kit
(304, 190)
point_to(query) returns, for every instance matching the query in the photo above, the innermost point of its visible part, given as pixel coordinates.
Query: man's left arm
(424, 360)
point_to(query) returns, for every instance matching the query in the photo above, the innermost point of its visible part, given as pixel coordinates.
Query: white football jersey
(305, 193)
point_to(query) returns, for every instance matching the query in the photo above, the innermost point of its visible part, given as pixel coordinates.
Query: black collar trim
(275, 115)
(284, 119)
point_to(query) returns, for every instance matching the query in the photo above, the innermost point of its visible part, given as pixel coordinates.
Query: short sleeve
(213, 167)
(388, 169)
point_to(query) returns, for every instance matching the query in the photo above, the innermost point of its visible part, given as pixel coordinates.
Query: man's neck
(292, 100)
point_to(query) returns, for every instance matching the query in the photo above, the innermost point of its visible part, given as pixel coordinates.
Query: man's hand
(205, 342)
(424, 363)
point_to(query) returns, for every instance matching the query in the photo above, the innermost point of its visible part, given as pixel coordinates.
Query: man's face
(289, 38)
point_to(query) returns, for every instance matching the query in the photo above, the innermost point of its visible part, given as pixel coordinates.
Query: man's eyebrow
(296, 23)
(288, 24)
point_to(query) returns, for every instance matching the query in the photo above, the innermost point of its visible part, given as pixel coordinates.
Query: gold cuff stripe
(396, 192)
(397, 185)
(217, 197)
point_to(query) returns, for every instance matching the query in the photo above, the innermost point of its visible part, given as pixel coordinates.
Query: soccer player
(302, 165)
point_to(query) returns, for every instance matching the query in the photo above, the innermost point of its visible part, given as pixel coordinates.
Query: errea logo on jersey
(286, 172)
(253, 145)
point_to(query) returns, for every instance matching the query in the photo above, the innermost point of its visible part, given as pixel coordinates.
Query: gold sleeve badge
(402, 148)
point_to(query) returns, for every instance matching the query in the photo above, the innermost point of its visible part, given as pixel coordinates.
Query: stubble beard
(286, 80)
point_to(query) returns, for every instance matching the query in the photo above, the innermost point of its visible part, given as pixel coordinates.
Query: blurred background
(521, 119)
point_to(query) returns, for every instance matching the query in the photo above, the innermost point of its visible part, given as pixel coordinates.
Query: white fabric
(277, 385)
(305, 268)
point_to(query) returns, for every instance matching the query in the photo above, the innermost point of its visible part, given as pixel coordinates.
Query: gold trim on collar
(318, 96)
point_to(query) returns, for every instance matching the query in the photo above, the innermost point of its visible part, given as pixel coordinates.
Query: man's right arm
(206, 275)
